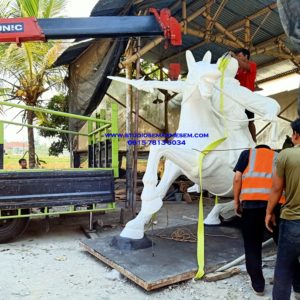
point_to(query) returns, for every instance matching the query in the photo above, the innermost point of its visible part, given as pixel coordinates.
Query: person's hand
(238, 208)
(232, 54)
(270, 221)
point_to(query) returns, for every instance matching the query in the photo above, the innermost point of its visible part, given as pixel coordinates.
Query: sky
(74, 8)
(77, 8)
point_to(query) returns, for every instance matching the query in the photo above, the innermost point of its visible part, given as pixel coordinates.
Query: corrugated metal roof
(263, 27)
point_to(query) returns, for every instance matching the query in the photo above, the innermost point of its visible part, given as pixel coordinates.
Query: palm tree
(26, 70)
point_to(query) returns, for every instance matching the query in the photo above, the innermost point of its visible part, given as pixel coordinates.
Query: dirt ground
(52, 265)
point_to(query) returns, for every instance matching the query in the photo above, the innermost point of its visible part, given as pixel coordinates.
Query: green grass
(52, 162)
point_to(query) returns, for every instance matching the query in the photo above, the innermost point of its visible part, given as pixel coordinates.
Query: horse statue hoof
(132, 233)
(122, 243)
(134, 229)
(213, 217)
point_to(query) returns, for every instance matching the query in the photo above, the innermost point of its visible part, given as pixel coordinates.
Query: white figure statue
(200, 113)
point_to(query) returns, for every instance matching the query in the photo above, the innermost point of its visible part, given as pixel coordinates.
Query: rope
(186, 235)
(180, 235)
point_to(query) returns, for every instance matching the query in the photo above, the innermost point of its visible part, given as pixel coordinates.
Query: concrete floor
(51, 265)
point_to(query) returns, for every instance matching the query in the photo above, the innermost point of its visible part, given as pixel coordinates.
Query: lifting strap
(200, 231)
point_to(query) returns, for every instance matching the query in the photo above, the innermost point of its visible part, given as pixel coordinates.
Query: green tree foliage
(58, 103)
(153, 70)
(26, 70)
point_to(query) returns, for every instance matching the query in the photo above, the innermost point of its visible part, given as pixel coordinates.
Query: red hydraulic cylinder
(174, 71)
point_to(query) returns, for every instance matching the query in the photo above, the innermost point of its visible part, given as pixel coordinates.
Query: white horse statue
(200, 113)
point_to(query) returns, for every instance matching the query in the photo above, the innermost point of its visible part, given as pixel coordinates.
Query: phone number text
(155, 142)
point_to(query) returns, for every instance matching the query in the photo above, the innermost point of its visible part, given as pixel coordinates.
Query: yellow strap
(216, 200)
(200, 234)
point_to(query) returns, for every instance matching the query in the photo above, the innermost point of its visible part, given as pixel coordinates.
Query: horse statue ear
(207, 57)
(190, 60)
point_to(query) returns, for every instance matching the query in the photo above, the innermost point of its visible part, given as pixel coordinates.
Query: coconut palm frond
(4, 11)
(53, 8)
(4, 91)
(52, 55)
(28, 57)
(3, 49)
(15, 58)
(28, 8)
(9, 9)
(6, 84)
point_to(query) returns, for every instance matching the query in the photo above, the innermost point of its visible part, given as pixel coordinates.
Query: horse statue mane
(213, 104)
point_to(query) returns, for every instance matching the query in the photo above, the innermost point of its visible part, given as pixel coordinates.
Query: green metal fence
(97, 128)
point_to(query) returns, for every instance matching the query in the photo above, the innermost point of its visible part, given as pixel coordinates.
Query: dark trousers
(253, 229)
(287, 269)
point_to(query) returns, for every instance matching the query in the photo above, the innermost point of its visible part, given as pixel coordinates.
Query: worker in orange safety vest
(252, 186)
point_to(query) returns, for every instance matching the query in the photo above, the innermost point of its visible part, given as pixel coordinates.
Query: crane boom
(31, 29)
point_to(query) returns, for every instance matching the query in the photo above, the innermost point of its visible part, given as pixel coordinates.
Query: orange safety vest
(257, 177)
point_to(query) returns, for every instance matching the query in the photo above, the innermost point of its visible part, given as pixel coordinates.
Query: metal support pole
(90, 145)
(114, 141)
(129, 148)
(166, 114)
(184, 21)
(91, 228)
(102, 144)
(166, 98)
(53, 112)
(1, 145)
(44, 128)
(136, 128)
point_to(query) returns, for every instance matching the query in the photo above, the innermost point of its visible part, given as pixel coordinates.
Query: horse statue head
(201, 74)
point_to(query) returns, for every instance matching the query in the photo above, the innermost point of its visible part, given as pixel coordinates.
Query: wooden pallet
(168, 261)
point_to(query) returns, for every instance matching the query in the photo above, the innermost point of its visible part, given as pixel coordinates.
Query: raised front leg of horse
(178, 161)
